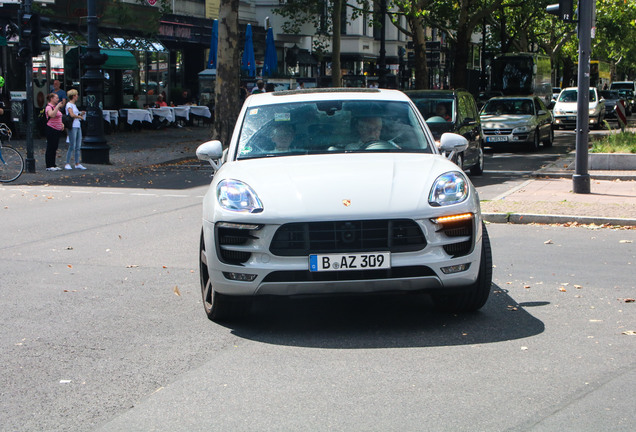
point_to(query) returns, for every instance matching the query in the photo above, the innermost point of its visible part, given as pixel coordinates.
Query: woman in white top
(75, 133)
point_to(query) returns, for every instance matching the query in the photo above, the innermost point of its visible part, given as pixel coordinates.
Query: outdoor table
(134, 114)
(111, 116)
(200, 110)
(182, 111)
(164, 113)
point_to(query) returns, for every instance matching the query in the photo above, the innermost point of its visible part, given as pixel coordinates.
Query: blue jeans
(75, 143)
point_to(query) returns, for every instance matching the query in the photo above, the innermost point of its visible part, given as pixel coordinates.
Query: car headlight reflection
(449, 188)
(234, 195)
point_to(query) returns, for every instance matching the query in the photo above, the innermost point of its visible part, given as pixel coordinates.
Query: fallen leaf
(132, 266)
(526, 286)
(69, 266)
(562, 289)
(625, 241)
(629, 333)
(629, 300)
(165, 266)
(548, 242)
(524, 348)
(578, 286)
(176, 291)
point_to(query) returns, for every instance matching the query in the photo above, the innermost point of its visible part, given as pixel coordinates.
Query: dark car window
(464, 108)
(538, 105)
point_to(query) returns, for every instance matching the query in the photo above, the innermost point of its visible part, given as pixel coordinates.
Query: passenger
(282, 136)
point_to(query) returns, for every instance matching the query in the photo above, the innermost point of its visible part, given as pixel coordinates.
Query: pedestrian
(260, 87)
(54, 129)
(75, 134)
(59, 91)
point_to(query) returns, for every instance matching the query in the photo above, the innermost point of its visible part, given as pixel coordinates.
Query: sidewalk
(546, 198)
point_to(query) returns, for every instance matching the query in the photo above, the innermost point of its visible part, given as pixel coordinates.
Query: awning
(117, 59)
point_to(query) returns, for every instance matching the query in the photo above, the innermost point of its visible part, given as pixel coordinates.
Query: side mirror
(211, 151)
(451, 143)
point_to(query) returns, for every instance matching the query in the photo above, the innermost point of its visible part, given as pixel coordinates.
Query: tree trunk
(419, 51)
(461, 47)
(227, 103)
(336, 19)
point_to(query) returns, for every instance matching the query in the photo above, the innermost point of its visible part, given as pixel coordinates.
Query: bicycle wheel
(11, 164)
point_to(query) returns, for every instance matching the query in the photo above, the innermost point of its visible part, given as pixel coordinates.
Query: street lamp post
(382, 58)
(94, 149)
(581, 177)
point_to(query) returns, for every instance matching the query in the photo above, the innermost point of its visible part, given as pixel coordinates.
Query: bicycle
(11, 161)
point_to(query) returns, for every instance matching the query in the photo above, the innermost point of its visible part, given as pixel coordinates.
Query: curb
(525, 218)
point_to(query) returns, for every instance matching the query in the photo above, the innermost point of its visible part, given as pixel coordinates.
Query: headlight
(593, 110)
(521, 129)
(449, 188)
(235, 195)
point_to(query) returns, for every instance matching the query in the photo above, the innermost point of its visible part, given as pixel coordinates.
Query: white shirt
(71, 106)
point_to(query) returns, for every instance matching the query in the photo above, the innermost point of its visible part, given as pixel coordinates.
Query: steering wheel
(379, 145)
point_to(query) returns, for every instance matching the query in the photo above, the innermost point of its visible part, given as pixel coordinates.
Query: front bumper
(265, 273)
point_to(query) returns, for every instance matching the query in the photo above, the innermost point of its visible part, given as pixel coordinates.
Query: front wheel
(534, 145)
(550, 139)
(11, 164)
(478, 168)
(475, 296)
(218, 307)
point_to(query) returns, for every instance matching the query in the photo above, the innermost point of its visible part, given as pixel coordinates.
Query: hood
(292, 187)
(504, 121)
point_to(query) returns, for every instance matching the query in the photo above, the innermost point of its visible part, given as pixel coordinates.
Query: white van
(564, 110)
(624, 85)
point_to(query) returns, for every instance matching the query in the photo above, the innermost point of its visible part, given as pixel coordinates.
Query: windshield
(508, 106)
(332, 126)
(571, 96)
(436, 109)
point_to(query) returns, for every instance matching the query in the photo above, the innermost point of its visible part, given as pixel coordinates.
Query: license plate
(497, 139)
(351, 261)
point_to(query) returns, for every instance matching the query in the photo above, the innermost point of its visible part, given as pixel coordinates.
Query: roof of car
(329, 93)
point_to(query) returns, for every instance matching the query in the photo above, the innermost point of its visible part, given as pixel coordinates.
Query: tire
(548, 141)
(475, 297)
(218, 307)
(534, 145)
(478, 168)
(11, 164)
(459, 161)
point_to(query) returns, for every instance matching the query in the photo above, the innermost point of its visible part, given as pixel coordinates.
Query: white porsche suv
(339, 191)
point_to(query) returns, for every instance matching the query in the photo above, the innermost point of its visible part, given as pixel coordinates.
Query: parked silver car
(508, 121)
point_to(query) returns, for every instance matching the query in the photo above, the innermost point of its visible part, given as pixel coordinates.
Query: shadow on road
(383, 321)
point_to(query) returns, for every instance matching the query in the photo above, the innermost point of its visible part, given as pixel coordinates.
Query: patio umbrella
(248, 63)
(270, 66)
(214, 45)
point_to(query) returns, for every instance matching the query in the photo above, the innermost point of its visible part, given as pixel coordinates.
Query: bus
(522, 74)
(600, 74)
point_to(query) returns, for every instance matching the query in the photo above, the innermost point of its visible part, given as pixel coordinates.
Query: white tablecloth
(133, 115)
(199, 110)
(182, 111)
(111, 116)
(166, 113)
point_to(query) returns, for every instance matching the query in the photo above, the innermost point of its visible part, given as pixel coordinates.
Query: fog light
(455, 268)
(239, 277)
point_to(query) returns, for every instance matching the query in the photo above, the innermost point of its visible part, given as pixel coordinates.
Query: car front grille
(301, 239)
(497, 131)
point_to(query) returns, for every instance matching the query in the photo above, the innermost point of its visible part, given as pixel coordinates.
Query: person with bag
(54, 129)
(75, 131)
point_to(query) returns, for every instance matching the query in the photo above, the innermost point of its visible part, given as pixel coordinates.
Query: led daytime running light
(453, 218)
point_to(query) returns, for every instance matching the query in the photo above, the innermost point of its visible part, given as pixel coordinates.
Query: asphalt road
(103, 329)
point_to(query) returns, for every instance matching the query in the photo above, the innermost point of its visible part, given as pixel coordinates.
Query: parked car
(623, 85)
(612, 97)
(323, 191)
(453, 111)
(628, 96)
(508, 121)
(565, 108)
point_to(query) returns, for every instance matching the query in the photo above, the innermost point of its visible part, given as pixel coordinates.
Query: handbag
(67, 121)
